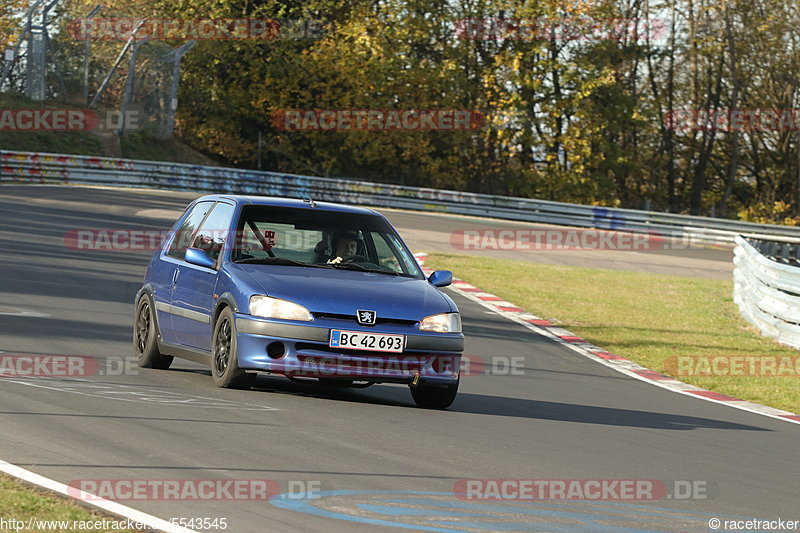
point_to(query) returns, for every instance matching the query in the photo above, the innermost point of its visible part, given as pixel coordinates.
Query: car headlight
(443, 323)
(275, 308)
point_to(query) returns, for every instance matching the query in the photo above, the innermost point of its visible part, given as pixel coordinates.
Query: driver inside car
(345, 246)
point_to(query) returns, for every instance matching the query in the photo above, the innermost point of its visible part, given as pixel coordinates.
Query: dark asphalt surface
(380, 462)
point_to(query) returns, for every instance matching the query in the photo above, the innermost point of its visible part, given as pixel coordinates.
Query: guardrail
(32, 167)
(786, 251)
(767, 289)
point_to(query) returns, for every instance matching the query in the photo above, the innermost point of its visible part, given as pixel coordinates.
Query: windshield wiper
(277, 261)
(355, 266)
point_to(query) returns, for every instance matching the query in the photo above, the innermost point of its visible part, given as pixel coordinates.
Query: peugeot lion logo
(366, 318)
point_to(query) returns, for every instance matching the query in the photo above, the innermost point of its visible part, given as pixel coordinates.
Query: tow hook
(415, 378)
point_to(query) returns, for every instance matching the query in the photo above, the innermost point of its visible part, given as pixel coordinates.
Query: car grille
(378, 321)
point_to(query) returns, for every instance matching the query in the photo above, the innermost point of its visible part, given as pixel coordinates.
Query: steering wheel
(355, 259)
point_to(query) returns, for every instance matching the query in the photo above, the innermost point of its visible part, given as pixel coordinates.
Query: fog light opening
(276, 350)
(444, 364)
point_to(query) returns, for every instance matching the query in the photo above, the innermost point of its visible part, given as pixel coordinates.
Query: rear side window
(183, 235)
(215, 229)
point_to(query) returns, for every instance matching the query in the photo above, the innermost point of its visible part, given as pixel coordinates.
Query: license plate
(358, 340)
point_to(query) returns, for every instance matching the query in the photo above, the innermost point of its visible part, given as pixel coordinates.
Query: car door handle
(175, 276)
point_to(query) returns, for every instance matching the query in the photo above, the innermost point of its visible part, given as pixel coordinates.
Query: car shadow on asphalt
(367, 395)
(275, 384)
(587, 414)
(480, 404)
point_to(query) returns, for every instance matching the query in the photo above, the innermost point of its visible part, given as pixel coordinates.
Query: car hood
(323, 290)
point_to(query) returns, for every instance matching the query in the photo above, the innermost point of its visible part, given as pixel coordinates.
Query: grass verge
(647, 318)
(137, 145)
(143, 145)
(22, 502)
(62, 142)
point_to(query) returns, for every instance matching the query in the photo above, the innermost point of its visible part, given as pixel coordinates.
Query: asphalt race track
(370, 460)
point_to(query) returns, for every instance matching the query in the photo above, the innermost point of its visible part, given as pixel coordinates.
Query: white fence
(32, 167)
(767, 287)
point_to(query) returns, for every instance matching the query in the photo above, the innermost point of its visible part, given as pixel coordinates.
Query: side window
(386, 257)
(215, 230)
(183, 234)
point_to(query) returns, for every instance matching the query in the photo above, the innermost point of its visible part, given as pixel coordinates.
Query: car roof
(276, 201)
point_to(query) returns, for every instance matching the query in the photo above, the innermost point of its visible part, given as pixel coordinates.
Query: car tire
(433, 397)
(225, 369)
(145, 337)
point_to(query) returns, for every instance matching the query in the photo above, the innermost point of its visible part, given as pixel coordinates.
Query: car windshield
(319, 238)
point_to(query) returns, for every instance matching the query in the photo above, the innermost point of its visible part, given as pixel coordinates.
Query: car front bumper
(427, 358)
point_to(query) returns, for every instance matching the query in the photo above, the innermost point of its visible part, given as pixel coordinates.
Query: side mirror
(199, 257)
(441, 278)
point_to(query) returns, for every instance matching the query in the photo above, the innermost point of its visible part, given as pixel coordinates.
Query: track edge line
(586, 349)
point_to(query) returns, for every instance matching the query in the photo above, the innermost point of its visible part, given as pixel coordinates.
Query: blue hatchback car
(311, 291)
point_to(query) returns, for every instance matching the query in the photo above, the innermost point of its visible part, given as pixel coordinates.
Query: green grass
(53, 142)
(22, 502)
(72, 142)
(143, 145)
(138, 145)
(645, 317)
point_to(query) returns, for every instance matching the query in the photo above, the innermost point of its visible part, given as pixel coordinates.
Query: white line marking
(15, 311)
(164, 214)
(101, 503)
(133, 394)
(685, 387)
(626, 367)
